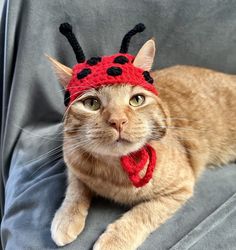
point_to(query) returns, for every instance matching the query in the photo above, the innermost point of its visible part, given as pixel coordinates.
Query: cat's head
(115, 119)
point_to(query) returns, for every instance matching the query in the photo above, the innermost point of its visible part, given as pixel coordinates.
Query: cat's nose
(118, 123)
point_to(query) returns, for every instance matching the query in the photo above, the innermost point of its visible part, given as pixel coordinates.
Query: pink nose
(118, 123)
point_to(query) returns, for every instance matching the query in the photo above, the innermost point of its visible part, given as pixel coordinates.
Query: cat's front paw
(111, 240)
(66, 226)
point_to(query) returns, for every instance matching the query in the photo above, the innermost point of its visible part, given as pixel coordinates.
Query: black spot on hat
(147, 77)
(94, 60)
(114, 71)
(67, 98)
(83, 73)
(121, 60)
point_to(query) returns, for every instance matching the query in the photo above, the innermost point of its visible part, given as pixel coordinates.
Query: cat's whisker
(183, 128)
(179, 118)
(79, 133)
(59, 156)
(89, 152)
(75, 141)
(14, 124)
(63, 90)
(72, 148)
(85, 130)
(153, 130)
(55, 138)
(76, 144)
(93, 148)
(68, 108)
(47, 154)
(184, 150)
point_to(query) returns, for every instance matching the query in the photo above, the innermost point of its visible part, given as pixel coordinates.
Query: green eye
(92, 103)
(137, 100)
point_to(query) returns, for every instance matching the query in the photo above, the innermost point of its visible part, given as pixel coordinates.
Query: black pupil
(92, 102)
(138, 98)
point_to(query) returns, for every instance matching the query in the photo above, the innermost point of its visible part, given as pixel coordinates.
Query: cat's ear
(145, 57)
(63, 73)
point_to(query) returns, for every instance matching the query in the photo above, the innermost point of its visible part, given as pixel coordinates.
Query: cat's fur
(191, 125)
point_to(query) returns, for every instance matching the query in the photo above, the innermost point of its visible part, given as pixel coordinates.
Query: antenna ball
(139, 27)
(65, 28)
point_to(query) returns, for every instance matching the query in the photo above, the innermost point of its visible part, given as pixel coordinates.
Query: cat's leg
(69, 219)
(129, 232)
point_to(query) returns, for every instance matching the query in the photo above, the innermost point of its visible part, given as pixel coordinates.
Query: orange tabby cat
(191, 124)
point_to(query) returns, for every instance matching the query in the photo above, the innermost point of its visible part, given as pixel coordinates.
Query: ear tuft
(63, 73)
(145, 56)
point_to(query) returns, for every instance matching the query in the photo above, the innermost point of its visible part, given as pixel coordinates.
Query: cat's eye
(137, 100)
(92, 103)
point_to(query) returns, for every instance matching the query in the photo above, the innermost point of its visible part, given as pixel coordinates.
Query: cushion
(33, 179)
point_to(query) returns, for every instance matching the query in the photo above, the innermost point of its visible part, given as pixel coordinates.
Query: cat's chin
(118, 148)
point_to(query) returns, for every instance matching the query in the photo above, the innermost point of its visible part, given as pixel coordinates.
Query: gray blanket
(32, 169)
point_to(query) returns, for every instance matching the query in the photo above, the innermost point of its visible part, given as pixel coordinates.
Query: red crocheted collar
(135, 162)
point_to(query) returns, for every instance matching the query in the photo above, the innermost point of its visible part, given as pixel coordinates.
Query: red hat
(106, 70)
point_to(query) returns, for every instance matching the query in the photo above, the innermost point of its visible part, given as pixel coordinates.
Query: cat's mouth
(121, 139)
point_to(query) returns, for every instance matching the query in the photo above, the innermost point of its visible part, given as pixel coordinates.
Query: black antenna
(66, 30)
(126, 40)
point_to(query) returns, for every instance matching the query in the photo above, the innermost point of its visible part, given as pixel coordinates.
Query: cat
(190, 124)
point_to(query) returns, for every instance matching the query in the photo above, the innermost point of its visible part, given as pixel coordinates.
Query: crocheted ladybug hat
(107, 70)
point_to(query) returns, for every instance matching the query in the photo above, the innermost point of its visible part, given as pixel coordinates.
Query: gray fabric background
(193, 32)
